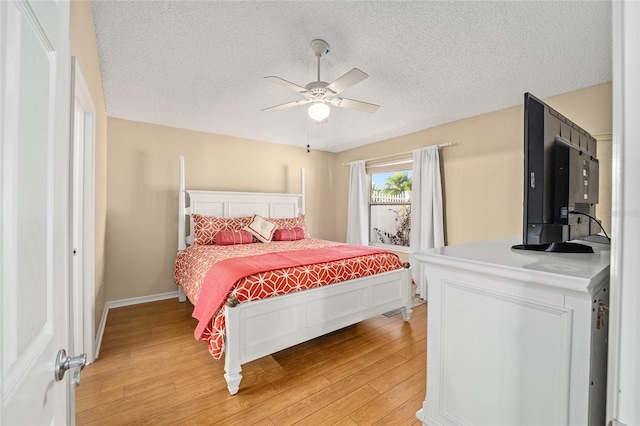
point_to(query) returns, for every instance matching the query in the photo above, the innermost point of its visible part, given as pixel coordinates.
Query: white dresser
(515, 337)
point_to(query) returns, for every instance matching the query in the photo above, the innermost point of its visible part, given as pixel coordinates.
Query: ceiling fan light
(319, 111)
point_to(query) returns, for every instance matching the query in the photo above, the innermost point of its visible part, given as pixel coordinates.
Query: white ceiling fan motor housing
(319, 47)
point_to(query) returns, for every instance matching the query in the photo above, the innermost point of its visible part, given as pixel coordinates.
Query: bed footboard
(259, 328)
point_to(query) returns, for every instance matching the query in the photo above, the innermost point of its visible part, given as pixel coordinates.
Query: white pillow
(261, 228)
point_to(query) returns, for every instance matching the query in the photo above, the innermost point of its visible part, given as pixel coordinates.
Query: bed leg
(232, 366)
(406, 313)
(181, 296)
(406, 309)
(233, 378)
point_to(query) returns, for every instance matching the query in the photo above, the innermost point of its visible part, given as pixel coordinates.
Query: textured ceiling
(200, 64)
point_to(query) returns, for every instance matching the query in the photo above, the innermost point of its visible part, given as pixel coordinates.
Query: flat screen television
(560, 181)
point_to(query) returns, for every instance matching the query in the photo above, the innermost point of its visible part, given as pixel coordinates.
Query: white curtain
(358, 208)
(427, 228)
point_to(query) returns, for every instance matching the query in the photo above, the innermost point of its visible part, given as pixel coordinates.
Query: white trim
(127, 302)
(403, 164)
(390, 247)
(100, 333)
(85, 316)
(623, 388)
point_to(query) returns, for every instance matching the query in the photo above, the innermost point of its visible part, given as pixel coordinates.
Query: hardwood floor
(152, 371)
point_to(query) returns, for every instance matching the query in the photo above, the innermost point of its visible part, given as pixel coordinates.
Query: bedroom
(146, 154)
(131, 151)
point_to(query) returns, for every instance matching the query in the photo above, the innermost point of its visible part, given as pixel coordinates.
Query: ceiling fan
(321, 94)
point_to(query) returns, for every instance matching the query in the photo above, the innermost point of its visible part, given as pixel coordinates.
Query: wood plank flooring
(152, 371)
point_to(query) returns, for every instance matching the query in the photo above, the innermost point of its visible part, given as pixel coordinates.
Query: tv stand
(515, 337)
(565, 247)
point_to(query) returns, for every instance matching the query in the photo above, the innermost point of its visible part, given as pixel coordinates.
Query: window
(390, 203)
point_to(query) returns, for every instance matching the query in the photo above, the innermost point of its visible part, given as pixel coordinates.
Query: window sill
(391, 247)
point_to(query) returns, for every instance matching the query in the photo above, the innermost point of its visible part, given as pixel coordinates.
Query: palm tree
(397, 184)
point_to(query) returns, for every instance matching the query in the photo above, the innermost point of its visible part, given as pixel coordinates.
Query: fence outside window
(378, 196)
(390, 218)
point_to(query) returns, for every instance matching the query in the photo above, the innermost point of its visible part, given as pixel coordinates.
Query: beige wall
(84, 48)
(142, 203)
(591, 109)
(482, 178)
(482, 173)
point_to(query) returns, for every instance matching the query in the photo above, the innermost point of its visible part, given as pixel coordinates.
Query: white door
(34, 213)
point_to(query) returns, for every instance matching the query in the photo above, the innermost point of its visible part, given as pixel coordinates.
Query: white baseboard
(142, 299)
(126, 302)
(103, 323)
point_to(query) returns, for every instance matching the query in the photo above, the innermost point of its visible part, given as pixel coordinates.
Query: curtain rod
(442, 145)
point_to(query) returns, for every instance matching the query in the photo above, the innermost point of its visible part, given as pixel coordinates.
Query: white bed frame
(262, 327)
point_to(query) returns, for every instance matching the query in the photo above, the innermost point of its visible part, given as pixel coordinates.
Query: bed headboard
(232, 204)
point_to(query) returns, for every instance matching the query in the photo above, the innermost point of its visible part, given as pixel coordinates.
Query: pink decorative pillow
(292, 234)
(261, 228)
(290, 223)
(205, 228)
(228, 238)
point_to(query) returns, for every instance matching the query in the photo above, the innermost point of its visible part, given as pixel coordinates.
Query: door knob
(64, 363)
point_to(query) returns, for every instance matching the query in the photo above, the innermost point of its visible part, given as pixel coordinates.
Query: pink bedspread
(223, 275)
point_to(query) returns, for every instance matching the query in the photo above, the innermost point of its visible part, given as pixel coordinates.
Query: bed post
(182, 233)
(181, 205)
(302, 198)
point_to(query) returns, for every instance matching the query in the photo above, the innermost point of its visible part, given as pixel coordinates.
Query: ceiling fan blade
(353, 104)
(286, 105)
(286, 83)
(349, 79)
